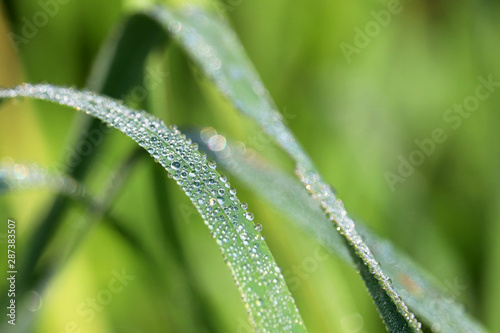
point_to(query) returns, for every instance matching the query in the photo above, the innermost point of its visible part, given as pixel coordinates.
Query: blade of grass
(419, 289)
(120, 63)
(21, 176)
(18, 176)
(217, 51)
(268, 301)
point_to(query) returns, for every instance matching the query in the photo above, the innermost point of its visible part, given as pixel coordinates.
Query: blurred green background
(356, 101)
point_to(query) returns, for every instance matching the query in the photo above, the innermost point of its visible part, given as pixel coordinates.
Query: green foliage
(184, 280)
(259, 279)
(419, 289)
(217, 51)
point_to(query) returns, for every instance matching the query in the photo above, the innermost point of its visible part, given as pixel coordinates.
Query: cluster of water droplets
(264, 291)
(18, 176)
(336, 212)
(210, 41)
(284, 193)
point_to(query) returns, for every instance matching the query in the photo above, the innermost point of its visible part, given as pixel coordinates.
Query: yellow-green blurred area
(396, 102)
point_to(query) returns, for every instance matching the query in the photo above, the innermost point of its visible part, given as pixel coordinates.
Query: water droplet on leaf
(175, 165)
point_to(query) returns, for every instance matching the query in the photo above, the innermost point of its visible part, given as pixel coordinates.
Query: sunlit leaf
(259, 279)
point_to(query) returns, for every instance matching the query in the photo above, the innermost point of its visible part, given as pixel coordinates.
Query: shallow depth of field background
(357, 116)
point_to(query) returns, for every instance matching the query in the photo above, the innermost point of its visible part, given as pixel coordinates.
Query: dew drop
(217, 143)
(436, 327)
(21, 171)
(249, 216)
(258, 88)
(207, 133)
(244, 205)
(352, 322)
(33, 301)
(175, 165)
(258, 227)
(175, 26)
(212, 201)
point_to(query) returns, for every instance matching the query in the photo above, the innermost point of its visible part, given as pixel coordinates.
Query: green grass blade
(268, 301)
(214, 46)
(120, 63)
(20, 176)
(391, 306)
(420, 291)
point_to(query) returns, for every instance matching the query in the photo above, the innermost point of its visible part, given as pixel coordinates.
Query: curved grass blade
(214, 46)
(27, 176)
(268, 301)
(392, 308)
(19, 176)
(120, 64)
(417, 287)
